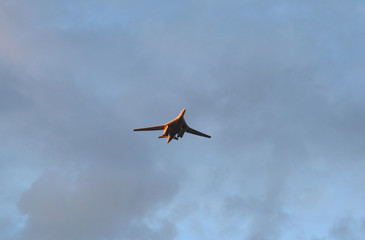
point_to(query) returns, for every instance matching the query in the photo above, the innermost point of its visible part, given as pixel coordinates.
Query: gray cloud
(101, 185)
(94, 204)
(11, 98)
(264, 218)
(278, 85)
(348, 228)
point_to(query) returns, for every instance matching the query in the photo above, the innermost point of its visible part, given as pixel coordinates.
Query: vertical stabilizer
(182, 112)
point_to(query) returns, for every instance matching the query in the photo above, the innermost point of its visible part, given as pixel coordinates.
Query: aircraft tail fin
(182, 112)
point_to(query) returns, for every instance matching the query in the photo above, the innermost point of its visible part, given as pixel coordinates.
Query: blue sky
(278, 84)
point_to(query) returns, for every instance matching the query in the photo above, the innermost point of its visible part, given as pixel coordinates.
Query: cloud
(348, 228)
(278, 86)
(264, 217)
(95, 204)
(96, 182)
(9, 92)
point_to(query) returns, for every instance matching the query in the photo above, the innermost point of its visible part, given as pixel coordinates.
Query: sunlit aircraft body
(174, 129)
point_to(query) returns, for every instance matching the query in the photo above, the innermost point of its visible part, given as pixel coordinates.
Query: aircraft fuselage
(175, 128)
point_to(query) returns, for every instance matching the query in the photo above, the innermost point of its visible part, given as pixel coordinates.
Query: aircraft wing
(192, 131)
(161, 127)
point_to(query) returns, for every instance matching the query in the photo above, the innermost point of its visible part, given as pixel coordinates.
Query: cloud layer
(277, 84)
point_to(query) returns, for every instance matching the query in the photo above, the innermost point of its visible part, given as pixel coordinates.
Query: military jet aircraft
(174, 129)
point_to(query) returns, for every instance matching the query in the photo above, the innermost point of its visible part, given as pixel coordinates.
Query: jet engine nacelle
(165, 131)
(181, 133)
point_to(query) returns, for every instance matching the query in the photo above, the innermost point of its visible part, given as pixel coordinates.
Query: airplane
(174, 129)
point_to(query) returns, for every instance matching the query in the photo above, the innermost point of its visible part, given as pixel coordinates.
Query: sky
(279, 85)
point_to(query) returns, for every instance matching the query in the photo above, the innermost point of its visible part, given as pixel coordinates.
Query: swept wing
(161, 127)
(193, 131)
